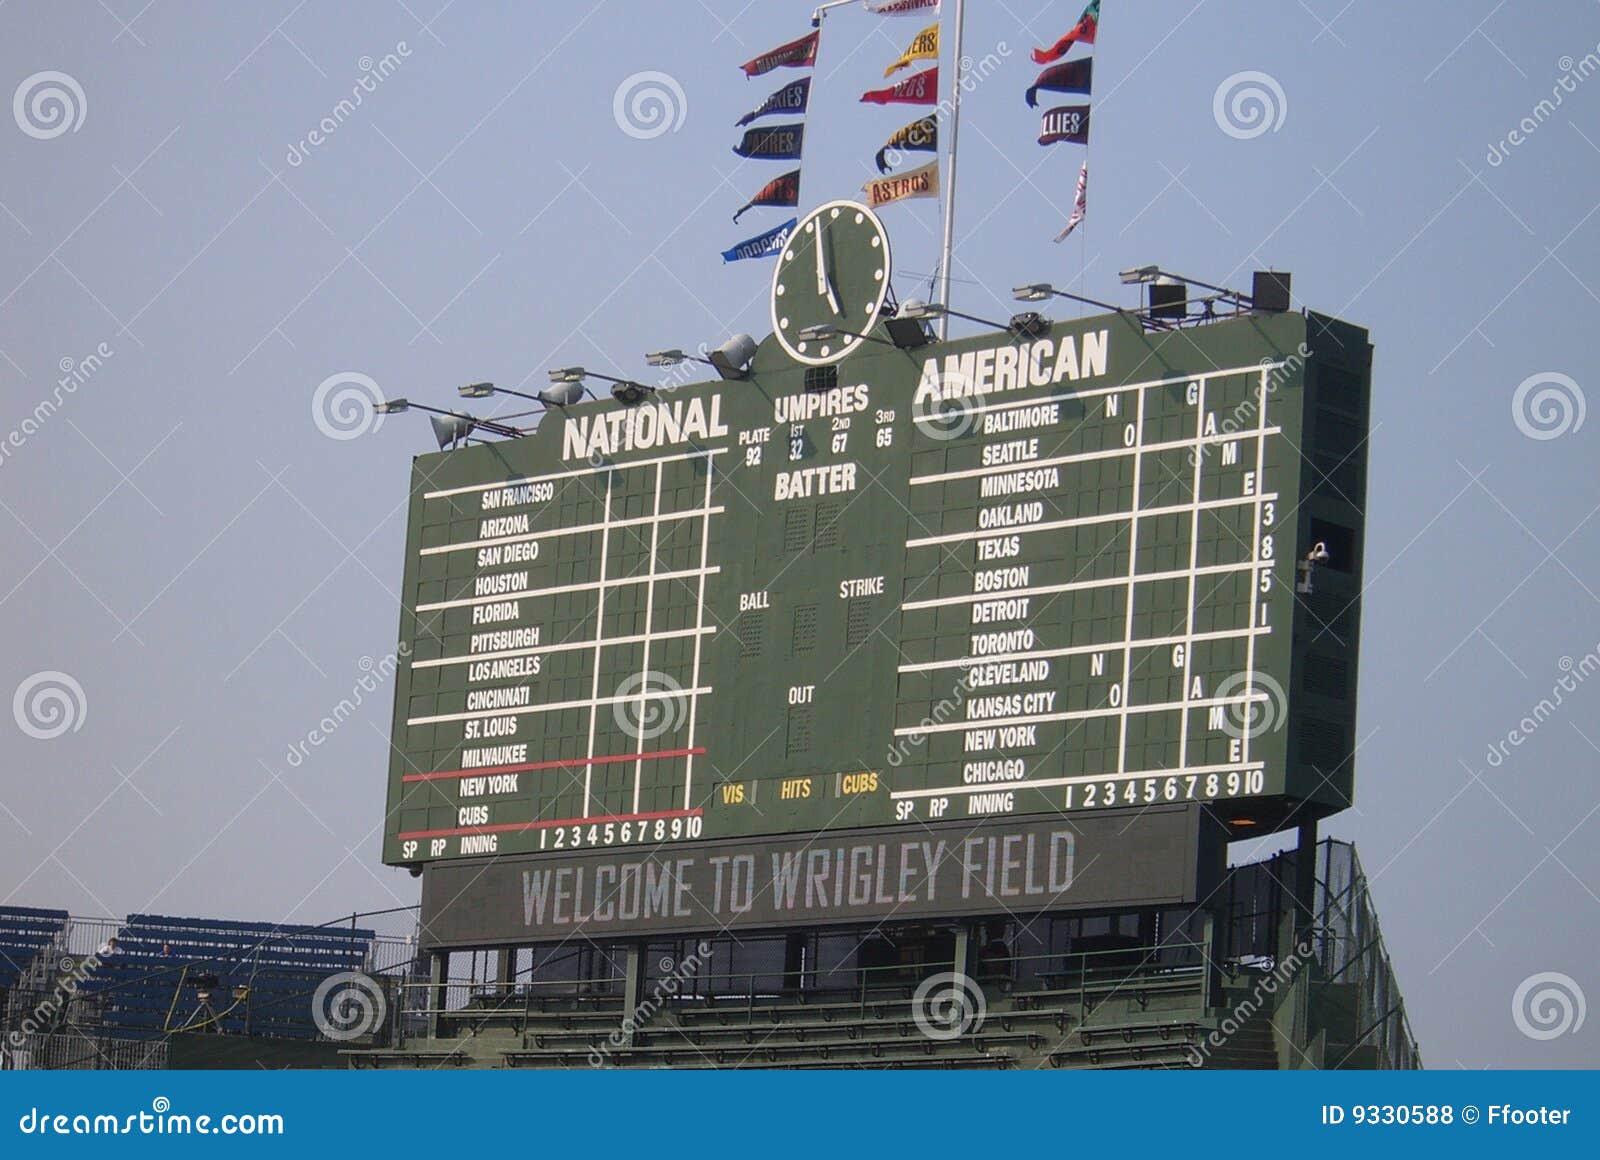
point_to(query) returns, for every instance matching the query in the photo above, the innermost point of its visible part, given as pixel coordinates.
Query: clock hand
(822, 269)
(825, 275)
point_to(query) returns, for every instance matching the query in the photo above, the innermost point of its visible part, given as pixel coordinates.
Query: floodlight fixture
(1040, 291)
(731, 360)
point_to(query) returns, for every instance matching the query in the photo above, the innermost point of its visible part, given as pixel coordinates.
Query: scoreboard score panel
(976, 580)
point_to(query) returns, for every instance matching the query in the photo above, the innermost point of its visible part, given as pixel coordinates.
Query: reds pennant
(800, 53)
(922, 89)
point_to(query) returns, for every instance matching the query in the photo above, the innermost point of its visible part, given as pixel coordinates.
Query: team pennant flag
(1068, 123)
(783, 190)
(922, 89)
(924, 46)
(921, 136)
(1080, 206)
(762, 245)
(1073, 76)
(1084, 30)
(792, 98)
(776, 143)
(920, 182)
(902, 7)
(800, 53)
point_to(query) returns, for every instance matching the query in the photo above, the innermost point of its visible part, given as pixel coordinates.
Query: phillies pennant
(777, 143)
(922, 89)
(921, 136)
(902, 7)
(762, 245)
(924, 46)
(800, 53)
(1084, 30)
(792, 98)
(783, 190)
(1073, 76)
(920, 182)
(1080, 205)
(1068, 123)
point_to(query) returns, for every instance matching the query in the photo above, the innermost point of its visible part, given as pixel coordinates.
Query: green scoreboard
(1028, 575)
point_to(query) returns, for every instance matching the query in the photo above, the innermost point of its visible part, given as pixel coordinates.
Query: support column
(963, 951)
(632, 988)
(438, 965)
(1305, 882)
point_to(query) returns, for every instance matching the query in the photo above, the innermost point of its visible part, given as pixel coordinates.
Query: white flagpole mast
(947, 251)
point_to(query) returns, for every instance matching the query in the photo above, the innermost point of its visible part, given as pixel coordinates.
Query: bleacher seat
(151, 982)
(24, 932)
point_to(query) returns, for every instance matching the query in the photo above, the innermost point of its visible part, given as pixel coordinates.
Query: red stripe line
(577, 763)
(551, 825)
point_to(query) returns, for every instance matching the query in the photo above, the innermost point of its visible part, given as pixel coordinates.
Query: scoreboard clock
(845, 247)
(744, 608)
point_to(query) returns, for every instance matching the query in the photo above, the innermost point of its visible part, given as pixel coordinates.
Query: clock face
(834, 271)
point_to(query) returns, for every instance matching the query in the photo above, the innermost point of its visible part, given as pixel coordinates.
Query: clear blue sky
(211, 568)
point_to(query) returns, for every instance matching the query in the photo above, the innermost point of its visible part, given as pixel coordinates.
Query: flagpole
(948, 249)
